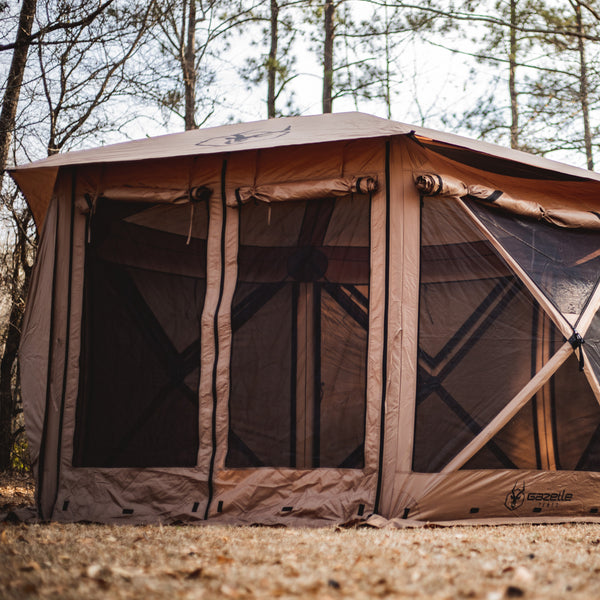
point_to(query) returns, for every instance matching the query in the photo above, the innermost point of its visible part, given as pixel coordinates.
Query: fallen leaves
(194, 574)
(30, 566)
(72, 561)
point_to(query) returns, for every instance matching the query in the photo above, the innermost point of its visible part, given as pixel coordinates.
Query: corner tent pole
(58, 349)
(304, 379)
(67, 334)
(510, 410)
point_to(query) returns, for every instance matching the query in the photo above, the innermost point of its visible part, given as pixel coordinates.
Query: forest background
(83, 73)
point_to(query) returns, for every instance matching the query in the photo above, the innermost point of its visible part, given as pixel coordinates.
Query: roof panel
(290, 131)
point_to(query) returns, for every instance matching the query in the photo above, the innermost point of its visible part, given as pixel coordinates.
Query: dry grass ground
(95, 561)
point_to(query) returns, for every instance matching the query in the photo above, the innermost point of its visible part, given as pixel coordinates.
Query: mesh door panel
(478, 335)
(144, 294)
(300, 322)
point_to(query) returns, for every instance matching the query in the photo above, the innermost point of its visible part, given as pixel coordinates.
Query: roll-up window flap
(433, 184)
(303, 190)
(150, 194)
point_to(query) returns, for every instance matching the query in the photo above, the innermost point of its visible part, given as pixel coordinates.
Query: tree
(86, 73)
(373, 48)
(82, 54)
(328, 40)
(12, 335)
(16, 269)
(565, 93)
(24, 38)
(190, 41)
(14, 81)
(583, 82)
(278, 21)
(361, 49)
(272, 63)
(506, 43)
(543, 95)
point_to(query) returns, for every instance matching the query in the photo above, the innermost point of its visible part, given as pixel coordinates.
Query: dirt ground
(96, 561)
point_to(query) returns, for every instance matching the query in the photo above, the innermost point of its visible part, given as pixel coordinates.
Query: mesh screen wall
(144, 294)
(300, 327)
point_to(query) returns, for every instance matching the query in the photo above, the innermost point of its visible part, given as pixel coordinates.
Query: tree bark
(584, 88)
(388, 62)
(14, 81)
(328, 56)
(512, 77)
(272, 65)
(189, 69)
(21, 272)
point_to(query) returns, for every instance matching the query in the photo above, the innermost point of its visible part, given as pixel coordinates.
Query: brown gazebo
(310, 320)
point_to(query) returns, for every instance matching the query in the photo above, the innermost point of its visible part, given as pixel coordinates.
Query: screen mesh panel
(144, 295)
(558, 428)
(564, 263)
(479, 337)
(300, 324)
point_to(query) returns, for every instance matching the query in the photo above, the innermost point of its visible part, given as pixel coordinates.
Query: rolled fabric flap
(303, 190)
(199, 193)
(574, 219)
(364, 185)
(524, 208)
(568, 218)
(432, 184)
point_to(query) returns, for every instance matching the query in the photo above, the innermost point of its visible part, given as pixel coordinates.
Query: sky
(434, 82)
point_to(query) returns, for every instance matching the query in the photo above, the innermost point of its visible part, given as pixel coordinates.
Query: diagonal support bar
(510, 410)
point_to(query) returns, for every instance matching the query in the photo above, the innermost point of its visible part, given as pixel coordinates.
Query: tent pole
(510, 410)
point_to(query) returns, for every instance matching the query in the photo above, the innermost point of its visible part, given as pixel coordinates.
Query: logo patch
(543, 499)
(244, 136)
(516, 497)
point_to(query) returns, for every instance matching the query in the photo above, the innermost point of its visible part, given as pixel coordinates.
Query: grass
(97, 561)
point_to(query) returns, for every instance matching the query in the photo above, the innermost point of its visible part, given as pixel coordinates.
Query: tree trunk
(10, 100)
(272, 64)
(512, 77)
(388, 63)
(189, 69)
(8, 115)
(21, 272)
(328, 56)
(583, 89)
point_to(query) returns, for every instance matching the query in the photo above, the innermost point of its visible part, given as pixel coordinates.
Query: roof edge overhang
(291, 131)
(36, 180)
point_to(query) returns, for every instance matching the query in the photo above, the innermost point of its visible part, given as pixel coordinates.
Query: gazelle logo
(516, 497)
(244, 136)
